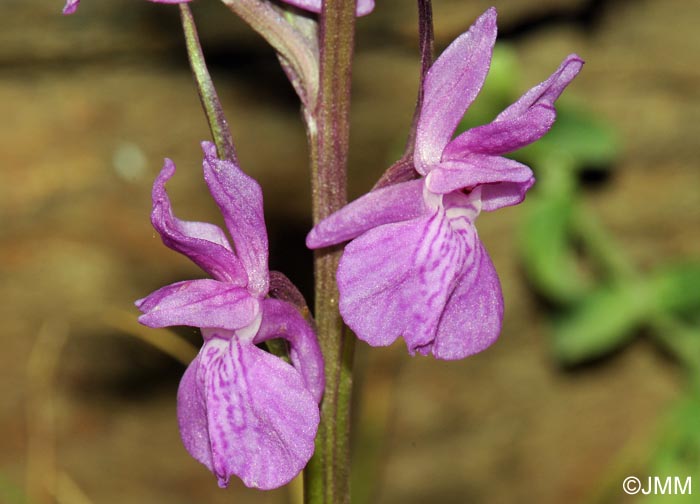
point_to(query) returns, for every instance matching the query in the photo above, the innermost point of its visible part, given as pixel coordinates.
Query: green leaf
(604, 321)
(677, 288)
(678, 450)
(547, 254)
(11, 493)
(606, 318)
(504, 75)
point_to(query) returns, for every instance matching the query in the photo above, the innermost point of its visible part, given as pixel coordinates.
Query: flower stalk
(327, 477)
(205, 88)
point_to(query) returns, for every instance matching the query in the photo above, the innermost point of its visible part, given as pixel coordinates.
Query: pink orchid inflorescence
(415, 266)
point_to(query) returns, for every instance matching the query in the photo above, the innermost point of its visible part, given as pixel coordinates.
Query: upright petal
(524, 122)
(260, 418)
(199, 303)
(70, 7)
(546, 92)
(364, 7)
(395, 203)
(394, 280)
(239, 198)
(472, 317)
(205, 244)
(282, 320)
(450, 86)
(503, 181)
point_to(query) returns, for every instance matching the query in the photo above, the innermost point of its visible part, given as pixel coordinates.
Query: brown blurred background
(93, 102)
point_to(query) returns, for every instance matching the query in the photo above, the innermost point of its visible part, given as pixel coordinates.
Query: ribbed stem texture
(327, 477)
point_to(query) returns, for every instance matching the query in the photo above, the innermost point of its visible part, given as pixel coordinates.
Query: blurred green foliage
(677, 453)
(10, 493)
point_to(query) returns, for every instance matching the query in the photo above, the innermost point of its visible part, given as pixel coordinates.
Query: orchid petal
(199, 303)
(364, 7)
(546, 92)
(472, 318)
(503, 136)
(398, 202)
(524, 122)
(205, 244)
(450, 87)
(239, 198)
(70, 7)
(395, 280)
(503, 181)
(504, 194)
(260, 418)
(282, 320)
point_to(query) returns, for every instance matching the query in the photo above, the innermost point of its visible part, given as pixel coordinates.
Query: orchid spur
(364, 7)
(415, 266)
(241, 410)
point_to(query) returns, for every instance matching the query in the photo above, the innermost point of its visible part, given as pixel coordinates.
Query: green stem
(205, 88)
(327, 477)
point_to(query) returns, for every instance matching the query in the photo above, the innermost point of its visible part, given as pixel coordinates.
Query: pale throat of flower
(249, 332)
(461, 207)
